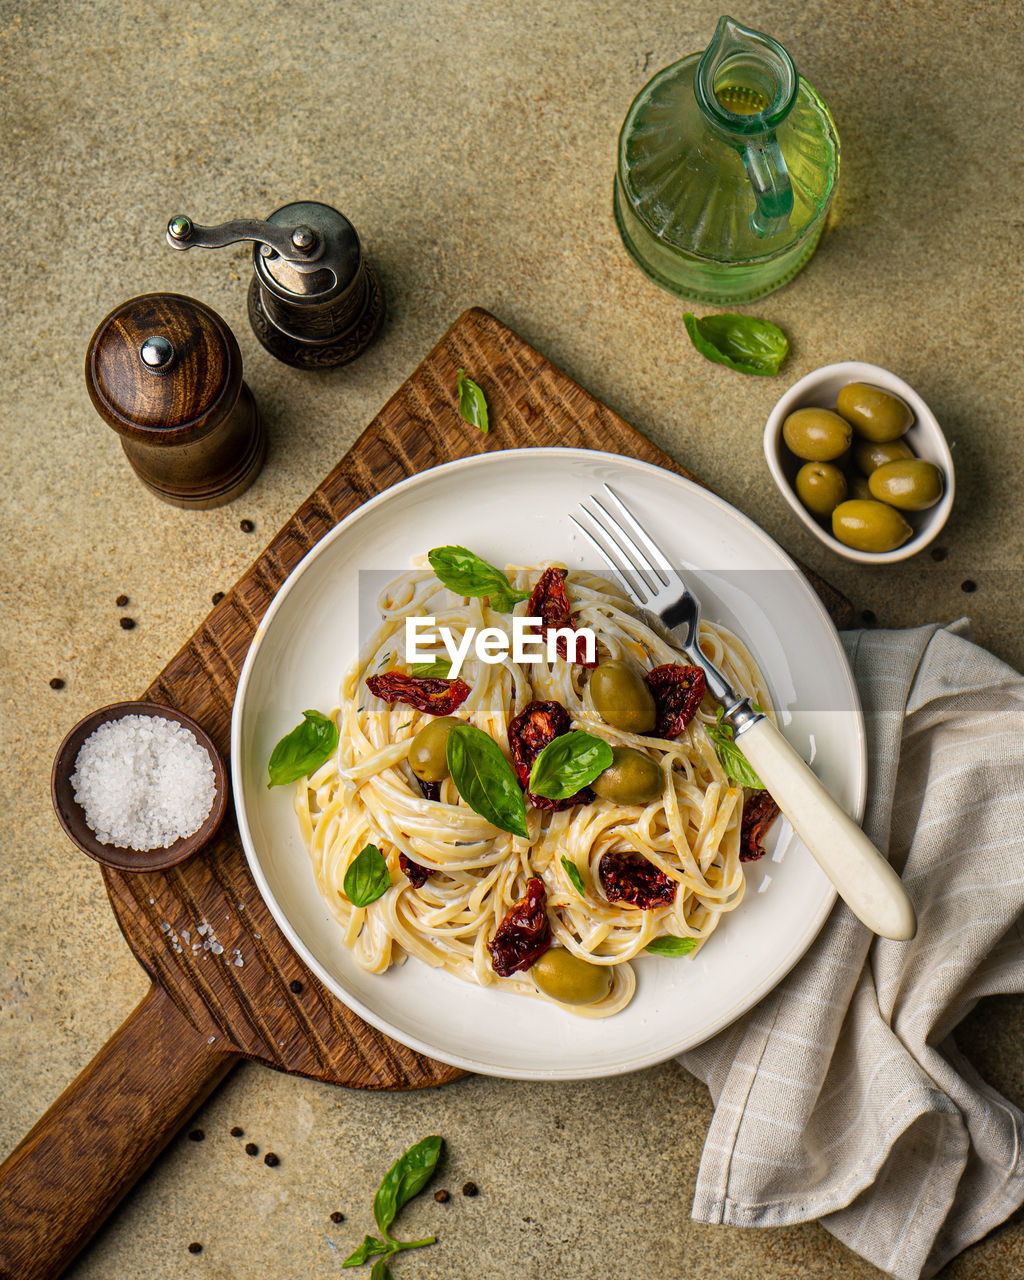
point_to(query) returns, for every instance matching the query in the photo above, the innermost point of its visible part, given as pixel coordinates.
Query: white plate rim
(490, 458)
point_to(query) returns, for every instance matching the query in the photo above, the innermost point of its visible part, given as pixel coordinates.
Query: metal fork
(863, 877)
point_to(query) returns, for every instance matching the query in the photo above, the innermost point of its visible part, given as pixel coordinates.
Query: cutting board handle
(102, 1133)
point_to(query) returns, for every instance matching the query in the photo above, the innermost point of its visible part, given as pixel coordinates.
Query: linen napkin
(842, 1095)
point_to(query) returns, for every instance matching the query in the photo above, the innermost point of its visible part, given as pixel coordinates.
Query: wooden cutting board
(204, 1010)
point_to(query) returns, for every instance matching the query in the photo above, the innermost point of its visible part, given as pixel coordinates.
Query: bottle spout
(746, 85)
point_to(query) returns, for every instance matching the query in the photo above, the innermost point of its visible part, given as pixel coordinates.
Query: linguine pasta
(366, 793)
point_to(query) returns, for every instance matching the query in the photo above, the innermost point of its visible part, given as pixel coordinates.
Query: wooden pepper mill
(165, 372)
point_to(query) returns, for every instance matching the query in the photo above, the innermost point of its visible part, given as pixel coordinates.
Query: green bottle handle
(773, 191)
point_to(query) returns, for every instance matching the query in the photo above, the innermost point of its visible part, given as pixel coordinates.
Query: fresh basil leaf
(367, 877)
(439, 667)
(406, 1178)
(381, 1270)
(572, 871)
(485, 779)
(670, 945)
(747, 344)
(365, 1252)
(472, 404)
(734, 762)
(465, 573)
(302, 751)
(567, 763)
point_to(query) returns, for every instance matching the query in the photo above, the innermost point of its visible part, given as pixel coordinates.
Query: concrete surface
(472, 145)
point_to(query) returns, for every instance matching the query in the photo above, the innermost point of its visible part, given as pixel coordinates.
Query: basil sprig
(465, 573)
(472, 403)
(734, 762)
(485, 779)
(439, 667)
(670, 945)
(575, 879)
(747, 344)
(302, 751)
(569, 762)
(406, 1178)
(367, 877)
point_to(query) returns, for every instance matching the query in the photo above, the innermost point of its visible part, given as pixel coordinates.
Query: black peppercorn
(121, 600)
(295, 985)
(470, 1189)
(271, 1159)
(968, 586)
(236, 1132)
(442, 1196)
(251, 1149)
(246, 526)
(127, 624)
(939, 553)
(195, 1247)
(197, 1135)
(868, 616)
(56, 682)
(337, 1216)
(217, 597)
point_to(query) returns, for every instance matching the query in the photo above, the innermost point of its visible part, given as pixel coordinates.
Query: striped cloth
(843, 1095)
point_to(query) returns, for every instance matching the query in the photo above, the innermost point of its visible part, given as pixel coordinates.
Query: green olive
(570, 980)
(869, 455)
(869, 526)
(817, 435)
(622, 698)
(428, 755)
(911, 485)
(857, 486)
(820, 486)
(631, 778)
(874, 414)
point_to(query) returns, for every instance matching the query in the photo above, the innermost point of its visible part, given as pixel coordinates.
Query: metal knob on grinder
(314, 300)
(164, 371)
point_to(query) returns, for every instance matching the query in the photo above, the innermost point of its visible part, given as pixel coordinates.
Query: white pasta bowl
(820, 389)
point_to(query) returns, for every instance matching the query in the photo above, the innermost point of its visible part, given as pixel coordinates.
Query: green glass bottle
(728, 162)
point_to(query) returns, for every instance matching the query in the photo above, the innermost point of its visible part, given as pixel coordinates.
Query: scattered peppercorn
(121, 600)
(470, 1189)
(246, 526)
(56, 682)
(296, 986)
(197, 1135)
(337, 1216)
(271, 1159)
(195, 1247)
(217, 597)
(868, 616)
(442, 1196)
(251, 1149)
(236, 1132)
(939, 553)
(127, 624)
(968, 586)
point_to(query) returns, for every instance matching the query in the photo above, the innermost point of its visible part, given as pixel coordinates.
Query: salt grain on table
(143, 782)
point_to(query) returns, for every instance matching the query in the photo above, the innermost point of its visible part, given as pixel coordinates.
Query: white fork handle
(865, 880)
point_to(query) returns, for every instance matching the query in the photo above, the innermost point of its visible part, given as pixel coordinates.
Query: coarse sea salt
(143, 782)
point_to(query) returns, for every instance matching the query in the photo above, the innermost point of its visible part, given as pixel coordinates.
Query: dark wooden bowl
(71, 816)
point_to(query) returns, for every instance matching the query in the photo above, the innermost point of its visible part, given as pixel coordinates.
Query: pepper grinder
(314, 300)
(164, 371)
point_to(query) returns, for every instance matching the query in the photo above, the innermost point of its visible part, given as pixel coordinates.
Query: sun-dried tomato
(759, 812)
(435, 696)
(626, 877)
(550, 601)
(528, 734)
(418, 875)
(525, 933)
(677, 693)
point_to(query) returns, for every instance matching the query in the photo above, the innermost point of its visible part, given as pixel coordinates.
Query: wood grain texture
(206, 1009)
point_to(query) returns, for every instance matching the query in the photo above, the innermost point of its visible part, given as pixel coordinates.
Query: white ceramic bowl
(820, 389)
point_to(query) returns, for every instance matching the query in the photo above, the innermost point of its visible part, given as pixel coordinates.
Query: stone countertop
(473, 147)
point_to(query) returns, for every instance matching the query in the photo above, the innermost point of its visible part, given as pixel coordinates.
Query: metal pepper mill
(314, 300)
(164, 371)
